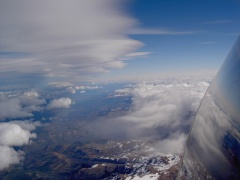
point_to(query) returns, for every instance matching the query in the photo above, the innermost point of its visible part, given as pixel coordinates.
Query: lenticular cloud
(64, 38)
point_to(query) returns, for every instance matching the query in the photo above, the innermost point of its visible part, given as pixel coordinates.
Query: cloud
(27, 124)
(11, 135)
(60, 103)
(135, 54)
(64, 38)
(87, 87)
(175, 143)
(9, 156)
(164, 104)
(60, 84)
(139, 31)
(19, 105)
(82, 89)
(161, 109)
(71, 88)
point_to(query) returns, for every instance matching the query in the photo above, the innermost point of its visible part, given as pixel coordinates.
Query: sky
(110, 40)
(61, 44)
(184, 35)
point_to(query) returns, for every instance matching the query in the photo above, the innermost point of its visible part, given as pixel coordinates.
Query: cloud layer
(63, 38)
(163, 110)
(163, 104)
(71, 88)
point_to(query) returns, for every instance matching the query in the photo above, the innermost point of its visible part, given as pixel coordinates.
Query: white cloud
(64, 38)
(175, 143)
(71, 88)
(162, 109)
(60, 84)
(82, 89)
(11, 135)
(163, 104)
(87, 87)
(167, 107)
(136, 54)
(9, 156)
(60, 103)
(27, 125)
(20, 105)
(143, 31)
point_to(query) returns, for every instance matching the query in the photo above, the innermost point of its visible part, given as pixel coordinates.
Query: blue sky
(97, 40)
(211, 29)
